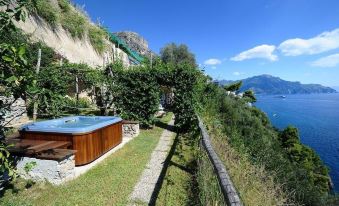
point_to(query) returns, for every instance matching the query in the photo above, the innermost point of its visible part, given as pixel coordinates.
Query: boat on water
(281, 96)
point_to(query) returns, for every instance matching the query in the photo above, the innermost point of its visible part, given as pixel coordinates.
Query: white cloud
(263, 51)
(328, 61)
(323, 42)
(237, 73)
(212, 62)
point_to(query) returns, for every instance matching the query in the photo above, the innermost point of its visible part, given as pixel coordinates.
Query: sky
(296, 40)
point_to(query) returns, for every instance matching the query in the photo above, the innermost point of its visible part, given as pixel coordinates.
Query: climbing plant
(137, 96)
(182, 78)
(138, 91)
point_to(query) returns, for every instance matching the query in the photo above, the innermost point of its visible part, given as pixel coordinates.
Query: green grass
(75, 23)
(97, 38)
(47, 11)
(179, 186)
(253, 183)
(209, 189)
(64, 5)
(109, 183)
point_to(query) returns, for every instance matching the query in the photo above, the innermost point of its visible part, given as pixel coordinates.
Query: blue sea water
(317, 118)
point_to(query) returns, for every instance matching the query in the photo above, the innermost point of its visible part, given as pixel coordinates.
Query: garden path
(143, 190)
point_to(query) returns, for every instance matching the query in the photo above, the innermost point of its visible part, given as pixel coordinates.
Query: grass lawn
(109, 183)
(179, 185)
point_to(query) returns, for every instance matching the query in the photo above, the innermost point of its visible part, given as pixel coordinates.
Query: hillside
(267, 84)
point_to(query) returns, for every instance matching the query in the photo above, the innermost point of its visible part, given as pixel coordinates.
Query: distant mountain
(336, 88)
(267, 84)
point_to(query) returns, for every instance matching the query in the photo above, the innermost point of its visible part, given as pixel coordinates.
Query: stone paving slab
(143, 190)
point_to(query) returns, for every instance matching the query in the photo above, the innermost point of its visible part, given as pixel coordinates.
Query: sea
(317, 118)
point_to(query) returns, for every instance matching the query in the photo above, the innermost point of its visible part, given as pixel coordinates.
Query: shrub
(297, 168)
(64, 5)
(97, 38)
(183, 79)
(234, 87)
(47, 11)
(75, 23)
(81, 103)
(137, 95)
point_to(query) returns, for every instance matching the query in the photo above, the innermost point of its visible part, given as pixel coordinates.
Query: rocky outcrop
(135, 42)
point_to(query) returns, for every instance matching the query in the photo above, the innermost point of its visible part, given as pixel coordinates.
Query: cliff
(136, 42)
(73, 48)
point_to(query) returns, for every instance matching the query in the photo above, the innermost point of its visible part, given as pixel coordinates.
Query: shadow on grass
(189, 168)
(163, 125)
(164, 170)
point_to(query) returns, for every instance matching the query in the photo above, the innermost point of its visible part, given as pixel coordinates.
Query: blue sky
(297, 40)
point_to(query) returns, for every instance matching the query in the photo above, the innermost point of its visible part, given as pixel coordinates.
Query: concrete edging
(230, 194)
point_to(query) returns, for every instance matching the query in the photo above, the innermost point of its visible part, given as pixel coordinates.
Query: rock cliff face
(135, 42)
(74, 49)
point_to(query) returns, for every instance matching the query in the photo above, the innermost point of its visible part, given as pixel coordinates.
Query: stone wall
(130, 129)
(55, 172)
(18, 113)
(225, 182)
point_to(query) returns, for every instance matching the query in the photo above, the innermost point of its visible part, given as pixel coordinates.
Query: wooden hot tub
(90, 136)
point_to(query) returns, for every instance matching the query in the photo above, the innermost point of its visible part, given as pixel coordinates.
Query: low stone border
(53, 171)
(230, 194)
(130, 129)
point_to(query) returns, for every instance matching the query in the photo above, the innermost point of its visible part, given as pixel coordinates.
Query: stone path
(143, 190)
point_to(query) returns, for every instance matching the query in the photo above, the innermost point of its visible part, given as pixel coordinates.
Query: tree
(249, 95)
(177, 54)
(289, 136)
(233, 87)
(15, 77)
(306, 158)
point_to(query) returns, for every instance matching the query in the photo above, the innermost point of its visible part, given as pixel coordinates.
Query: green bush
(47, 11)
(97, 38)
(75, 23)
(81, 103)
(138, 96)
(64, 5)
(249, 131)
(183, 79)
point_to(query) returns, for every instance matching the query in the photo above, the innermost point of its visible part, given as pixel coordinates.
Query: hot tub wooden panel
(89, 146)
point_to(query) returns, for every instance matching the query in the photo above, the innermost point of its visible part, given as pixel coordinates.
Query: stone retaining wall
(230, 194)
(130, 129)
(17, 114)
(55, 172)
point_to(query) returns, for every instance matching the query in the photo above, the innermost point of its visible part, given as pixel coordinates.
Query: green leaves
(13, 72)
(137, 93)
(7, 58)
